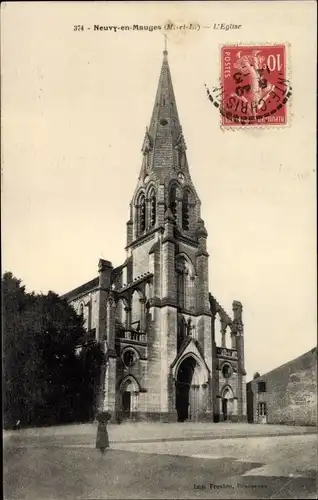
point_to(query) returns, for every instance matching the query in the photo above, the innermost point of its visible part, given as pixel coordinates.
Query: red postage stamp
(254, 88)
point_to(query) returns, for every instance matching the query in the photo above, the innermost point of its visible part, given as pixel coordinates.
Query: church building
(154, 314)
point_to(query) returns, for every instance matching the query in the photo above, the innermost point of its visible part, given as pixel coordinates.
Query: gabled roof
(82, 289)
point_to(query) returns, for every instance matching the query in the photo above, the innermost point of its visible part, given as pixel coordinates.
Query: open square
(161, 461)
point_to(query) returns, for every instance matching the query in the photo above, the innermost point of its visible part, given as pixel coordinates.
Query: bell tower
(166, 239)
(164, 181)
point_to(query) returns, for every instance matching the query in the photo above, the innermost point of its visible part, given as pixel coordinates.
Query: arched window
(185, 211)
(173, 200)
(153, 209)
(141, 214)
(81, 309)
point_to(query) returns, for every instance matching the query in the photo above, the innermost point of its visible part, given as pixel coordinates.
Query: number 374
(78, 27)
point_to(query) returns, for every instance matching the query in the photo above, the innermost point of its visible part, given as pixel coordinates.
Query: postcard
(158, 242)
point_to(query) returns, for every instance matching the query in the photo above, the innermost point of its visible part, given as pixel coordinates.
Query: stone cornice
(140, 279)
(149, 235)
(130, 342)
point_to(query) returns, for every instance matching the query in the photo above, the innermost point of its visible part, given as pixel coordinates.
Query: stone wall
(291, 392)
(141, 257)
(90, 308)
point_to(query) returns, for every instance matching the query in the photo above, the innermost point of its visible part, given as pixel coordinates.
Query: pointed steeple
(165, 195)
(164, 146)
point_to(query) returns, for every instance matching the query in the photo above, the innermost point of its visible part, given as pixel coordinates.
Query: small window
(129, 358)
(226, 371)
(81, 309)
(262, 410)
(261, 386)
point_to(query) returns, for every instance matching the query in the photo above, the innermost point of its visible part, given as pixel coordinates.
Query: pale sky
(75, 106)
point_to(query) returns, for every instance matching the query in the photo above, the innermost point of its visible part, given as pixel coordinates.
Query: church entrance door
(126, 404)
(224, 409)
(227, 403)
(185, 402)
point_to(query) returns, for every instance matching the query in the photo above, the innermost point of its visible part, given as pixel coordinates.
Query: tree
(44, 381)
(15, 344)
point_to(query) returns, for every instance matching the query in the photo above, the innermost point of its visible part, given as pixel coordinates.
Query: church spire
(165, 51)
(164, 146)
(164, 181)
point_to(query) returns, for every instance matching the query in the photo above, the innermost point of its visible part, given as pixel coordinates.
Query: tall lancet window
(181, 271)
(173, 200)
(153, 208)
(185, 211)
(141, 214)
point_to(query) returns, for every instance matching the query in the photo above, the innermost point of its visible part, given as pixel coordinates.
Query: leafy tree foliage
(45, 380)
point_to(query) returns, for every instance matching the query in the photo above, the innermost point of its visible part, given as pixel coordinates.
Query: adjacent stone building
(286, 395)
(154, 313)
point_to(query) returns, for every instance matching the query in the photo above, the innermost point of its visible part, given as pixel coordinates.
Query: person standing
(102, 439)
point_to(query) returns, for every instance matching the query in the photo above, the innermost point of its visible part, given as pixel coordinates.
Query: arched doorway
(183, 385)
(126, 404)
(227, 403)
(191, 389)
(129, 391)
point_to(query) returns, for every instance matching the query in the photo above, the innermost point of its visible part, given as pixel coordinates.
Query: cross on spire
(165, 51)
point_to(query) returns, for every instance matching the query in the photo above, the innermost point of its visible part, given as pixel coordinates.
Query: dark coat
(102, 440)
